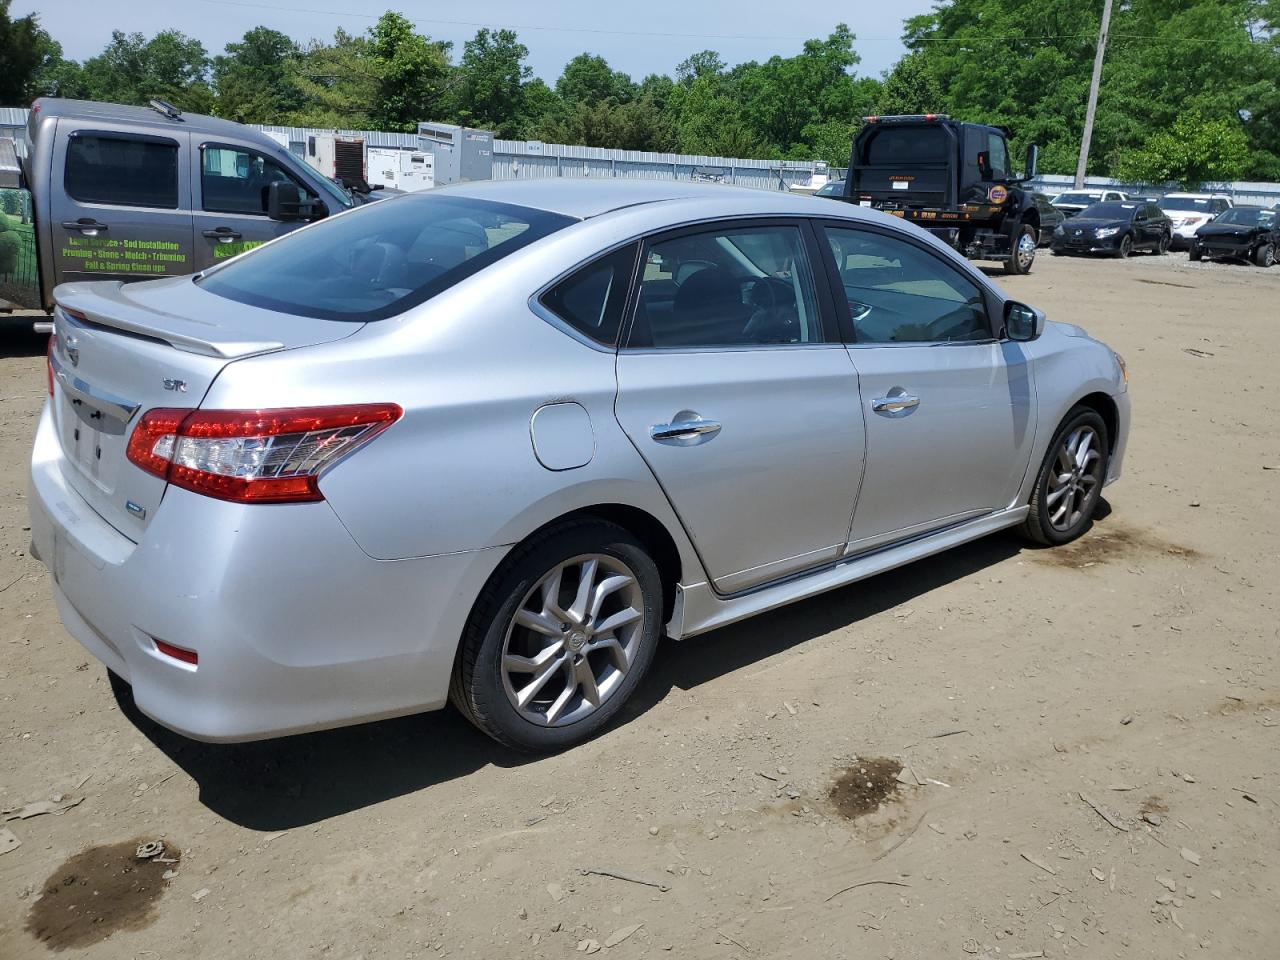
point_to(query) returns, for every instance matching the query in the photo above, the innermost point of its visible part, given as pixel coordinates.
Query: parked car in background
(133, 193)
(1114, 228)
(576, 414)
(1241, 233)
(1191, 211)
(832, 188)
(1050, 218)
(1073, 201)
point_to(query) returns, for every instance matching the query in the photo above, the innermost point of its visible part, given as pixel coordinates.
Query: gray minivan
(133, 193)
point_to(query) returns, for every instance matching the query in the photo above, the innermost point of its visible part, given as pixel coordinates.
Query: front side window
(382, 259)
(236, 181)
(731, 286)
(1217, 206)
(125, 171)
(999, 157)
(591, 300)
(900, 293)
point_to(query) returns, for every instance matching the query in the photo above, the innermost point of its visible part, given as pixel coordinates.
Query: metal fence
(524, 160)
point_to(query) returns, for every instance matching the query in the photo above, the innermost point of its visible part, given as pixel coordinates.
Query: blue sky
(638, 36)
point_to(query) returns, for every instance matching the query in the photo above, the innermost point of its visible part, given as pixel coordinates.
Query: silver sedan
(488, 443)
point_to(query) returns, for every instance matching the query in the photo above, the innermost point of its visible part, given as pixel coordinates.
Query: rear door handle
(84, 224)
(685, 432)
(223, 234)
(895, 404)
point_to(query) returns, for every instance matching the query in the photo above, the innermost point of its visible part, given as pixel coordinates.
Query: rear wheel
(1022, 250)
(1125, 248)
(1163, 246)
(560, 637)
(1265, 255)
(1070, 480)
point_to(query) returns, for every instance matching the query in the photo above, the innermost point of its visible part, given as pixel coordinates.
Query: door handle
(84, 225)
(895, 404)
(221, 234)
(685, 432)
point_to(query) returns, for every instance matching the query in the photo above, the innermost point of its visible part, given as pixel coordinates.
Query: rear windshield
(380, 260)
(909, 144)
(1109, 211)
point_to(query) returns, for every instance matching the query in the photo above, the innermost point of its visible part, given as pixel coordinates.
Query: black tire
(1265, 255)
(1039, 526)
(1194, 254)
(1163, 246)
(1020, 265)
(477, 688)
(1125, 248)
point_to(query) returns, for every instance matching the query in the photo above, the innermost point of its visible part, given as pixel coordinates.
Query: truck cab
(134, 193)
(952, 178)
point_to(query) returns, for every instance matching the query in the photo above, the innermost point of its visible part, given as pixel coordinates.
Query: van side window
(126, 171)
(236, 181)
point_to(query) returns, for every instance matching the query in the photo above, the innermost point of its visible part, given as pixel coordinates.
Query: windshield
(1250, 218)
(833, 189)
(1108, 211)
(328, 190)
(1186, 203)
(380, 260)
(1077, 198)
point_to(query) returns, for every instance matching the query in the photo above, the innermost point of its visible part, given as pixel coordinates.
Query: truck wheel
(1022, 250)
(1265, 256)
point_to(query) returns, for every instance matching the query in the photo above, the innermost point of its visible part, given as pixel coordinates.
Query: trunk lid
(120, 350)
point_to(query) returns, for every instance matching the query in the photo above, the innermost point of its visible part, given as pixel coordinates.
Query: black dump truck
(952, 178)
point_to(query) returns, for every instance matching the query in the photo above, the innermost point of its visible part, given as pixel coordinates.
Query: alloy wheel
(1075, 478)
(572, 640)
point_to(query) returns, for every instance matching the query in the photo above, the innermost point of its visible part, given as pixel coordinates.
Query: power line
(1155, 39)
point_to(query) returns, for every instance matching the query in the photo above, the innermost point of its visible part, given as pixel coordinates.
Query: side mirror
(1022, 323)
(984, 165)
(1029, 164)
(284, 201)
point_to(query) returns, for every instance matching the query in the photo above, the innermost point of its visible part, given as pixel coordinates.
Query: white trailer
(407, 170)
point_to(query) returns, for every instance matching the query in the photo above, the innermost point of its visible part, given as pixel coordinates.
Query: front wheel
(560, 637)
(1070, 480)
(1125, 248)
(1195, 254)
(1265, 256)
(1022, 250)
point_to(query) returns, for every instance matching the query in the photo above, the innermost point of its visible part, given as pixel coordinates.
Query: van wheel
(560, 638)
(1022, 253)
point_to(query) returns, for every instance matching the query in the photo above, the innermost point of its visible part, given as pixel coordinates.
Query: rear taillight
(254, 456)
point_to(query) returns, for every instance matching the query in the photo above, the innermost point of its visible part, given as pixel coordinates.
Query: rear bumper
(296, 628)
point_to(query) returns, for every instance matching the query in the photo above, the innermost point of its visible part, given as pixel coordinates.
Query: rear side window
(236, 181)
(382, 259)
(126, 171)
(592, 299)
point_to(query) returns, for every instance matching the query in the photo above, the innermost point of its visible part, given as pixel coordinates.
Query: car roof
(583, 199)
(147, 117)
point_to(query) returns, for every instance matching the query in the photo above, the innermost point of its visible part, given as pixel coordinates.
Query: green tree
(337, 83)
(412, 72)
(488, 87)
(252, 78)
(588, 78)
(1193, 152)
(910, 87)
(539, 106)
(133, 69)
(28, 56)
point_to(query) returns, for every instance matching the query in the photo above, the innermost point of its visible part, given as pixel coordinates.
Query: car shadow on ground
(17, 339)
(295, 781)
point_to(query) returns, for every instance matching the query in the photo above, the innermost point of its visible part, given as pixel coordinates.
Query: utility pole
(1093, 93)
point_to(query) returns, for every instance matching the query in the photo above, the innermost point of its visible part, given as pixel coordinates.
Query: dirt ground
(1000, 752)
